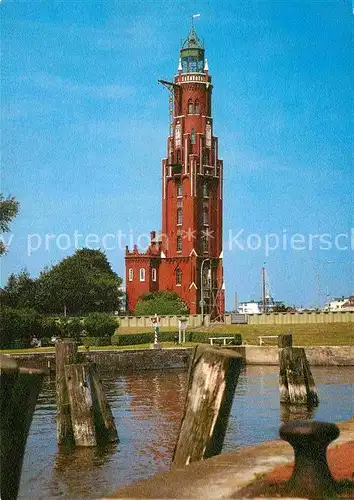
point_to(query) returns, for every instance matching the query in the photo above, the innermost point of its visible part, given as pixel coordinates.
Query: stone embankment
(133, 360)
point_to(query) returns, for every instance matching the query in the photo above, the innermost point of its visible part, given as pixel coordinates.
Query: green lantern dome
(192, 54)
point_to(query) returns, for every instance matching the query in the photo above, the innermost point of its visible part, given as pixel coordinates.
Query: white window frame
(179, 216)
(205, 216)
(179, 189)
(153, 274)
(142, 274)
(179, 244)
(179, 277)
(130, 274)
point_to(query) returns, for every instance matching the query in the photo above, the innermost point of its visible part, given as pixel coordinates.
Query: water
(147, 408)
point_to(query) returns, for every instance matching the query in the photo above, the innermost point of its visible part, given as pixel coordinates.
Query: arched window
(142, 274)
(205, 244)
(153, 274)
(205, 216)
(179, 188)
(179, 243)
(190, 107)
(192, 136)
(178, 276)
(130, 274)
(196, 107)
(179, 216)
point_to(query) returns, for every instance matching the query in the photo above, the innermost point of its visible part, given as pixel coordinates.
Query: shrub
(100, 325)
(18, 324)
(50, 328)
(74, 328)
(162, 303)
(95, 341)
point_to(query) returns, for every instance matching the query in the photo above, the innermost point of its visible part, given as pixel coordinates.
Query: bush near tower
(163, 302)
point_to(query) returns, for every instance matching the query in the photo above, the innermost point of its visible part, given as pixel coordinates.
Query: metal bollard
(311, 476)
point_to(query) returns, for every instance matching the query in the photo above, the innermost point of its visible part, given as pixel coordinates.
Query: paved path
(226, 474)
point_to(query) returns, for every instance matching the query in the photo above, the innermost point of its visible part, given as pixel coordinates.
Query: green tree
(163, 302)
(8, 210)
(20, 291)
(81, 283)
(281, 308)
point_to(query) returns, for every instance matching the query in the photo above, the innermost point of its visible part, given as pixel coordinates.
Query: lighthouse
(186, 255)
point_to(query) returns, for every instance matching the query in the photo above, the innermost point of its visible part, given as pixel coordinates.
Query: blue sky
(84, 126)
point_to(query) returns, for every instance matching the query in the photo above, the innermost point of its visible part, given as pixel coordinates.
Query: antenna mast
(264, 299)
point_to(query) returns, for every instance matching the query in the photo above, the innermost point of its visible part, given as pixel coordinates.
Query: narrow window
(179, 188)
(179, 243)
(178, 276)
(153, 274)
(205, 216)
(196, 107)
(190, 107)
(206, 157)
(178, 157)
(179, 216)
(205, 244)
(205, 190)
(142, 274)
(130, 274)
(192, 136)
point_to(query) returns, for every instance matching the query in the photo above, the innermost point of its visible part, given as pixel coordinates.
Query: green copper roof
(192, 41)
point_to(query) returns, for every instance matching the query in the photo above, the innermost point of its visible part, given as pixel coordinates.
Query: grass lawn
(92, 348)
(303, 334)
(331, 334)
(334, 334)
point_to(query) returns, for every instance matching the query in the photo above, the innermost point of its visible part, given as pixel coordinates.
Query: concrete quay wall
(134, 360)
(125, 361)
(317, 356)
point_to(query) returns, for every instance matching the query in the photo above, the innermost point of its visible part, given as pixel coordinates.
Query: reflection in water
(147, 407)
(296, 412)
(73, 467)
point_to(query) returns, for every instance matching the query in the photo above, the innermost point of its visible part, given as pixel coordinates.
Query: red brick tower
(186, 257)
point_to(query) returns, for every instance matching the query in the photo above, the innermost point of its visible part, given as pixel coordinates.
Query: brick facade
(191, 236)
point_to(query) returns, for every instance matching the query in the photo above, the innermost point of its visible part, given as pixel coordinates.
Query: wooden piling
(213, 376)
(79, 387)
(296, 383)
(19, 389)
(104, 420)
(285, 340)
(65, 354)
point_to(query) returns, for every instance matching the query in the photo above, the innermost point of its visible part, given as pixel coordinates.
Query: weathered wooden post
(81, 404)
(213, 376)
(65, 354)
(285, 340)
(19, 389)
(104, 420)
(296, 383)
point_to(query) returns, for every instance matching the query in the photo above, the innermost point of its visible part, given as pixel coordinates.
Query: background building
(341, 304)
(186, 257)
